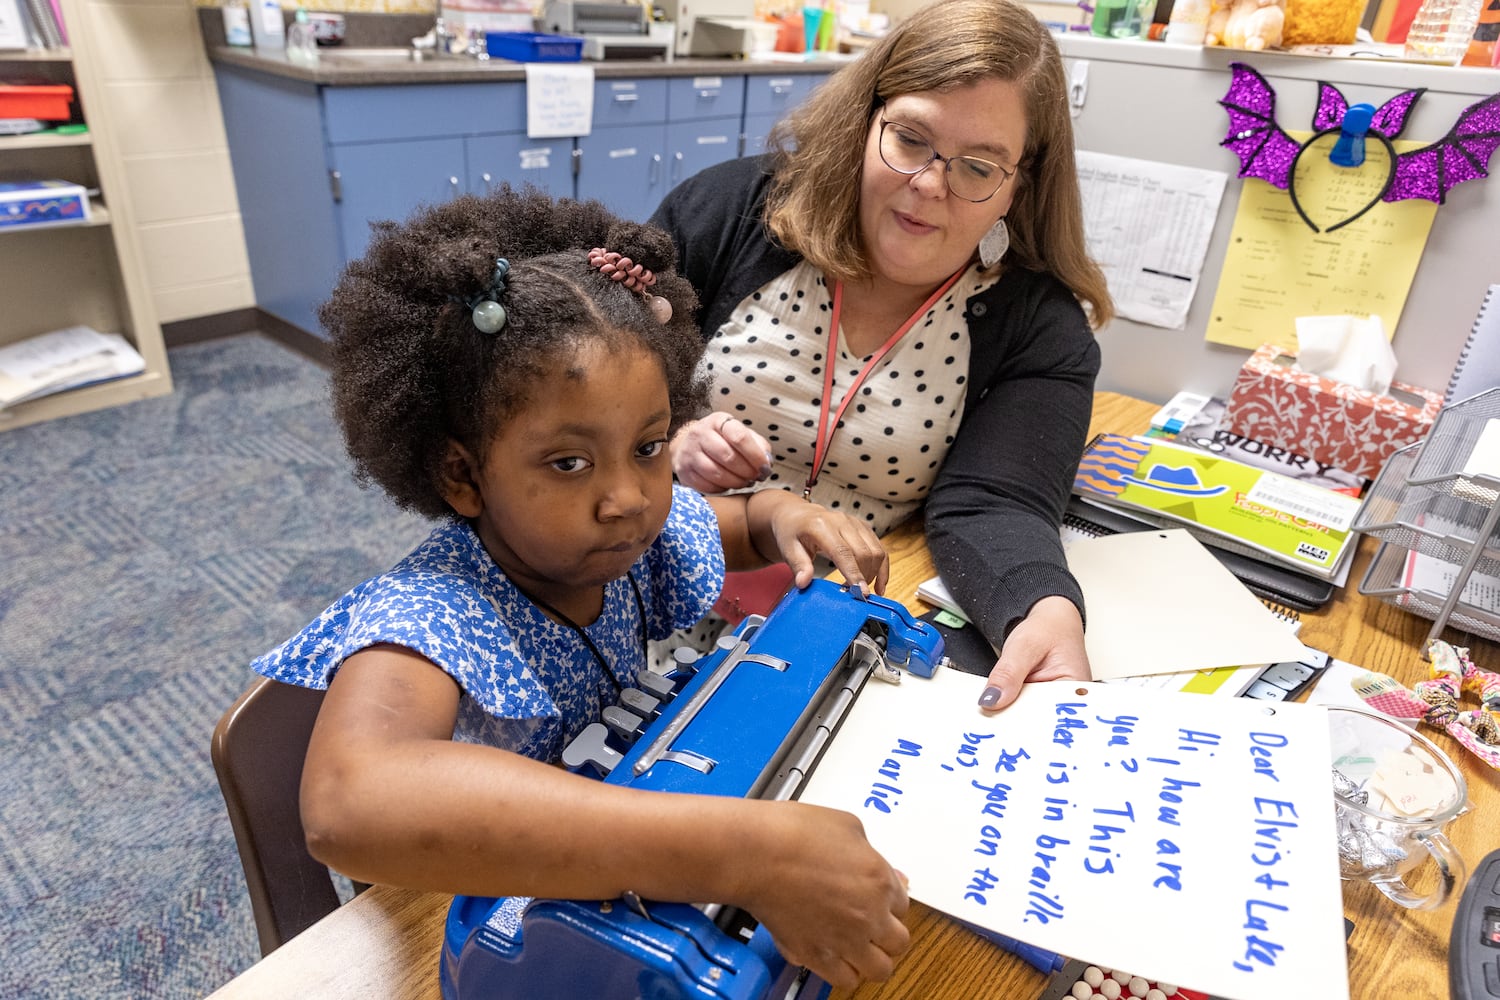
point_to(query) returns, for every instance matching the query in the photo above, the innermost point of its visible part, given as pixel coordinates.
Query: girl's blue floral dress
(528, 684)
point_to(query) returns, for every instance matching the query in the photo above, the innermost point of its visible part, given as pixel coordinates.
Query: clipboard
(1263, 579)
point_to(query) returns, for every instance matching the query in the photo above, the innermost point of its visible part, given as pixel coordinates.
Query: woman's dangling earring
(994, 244)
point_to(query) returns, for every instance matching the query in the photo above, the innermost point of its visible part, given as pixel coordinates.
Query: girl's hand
(786, 527)
(1046, 645)
(719, 453)
(828, 899)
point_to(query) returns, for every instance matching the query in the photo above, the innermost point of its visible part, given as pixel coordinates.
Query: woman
(923, 205)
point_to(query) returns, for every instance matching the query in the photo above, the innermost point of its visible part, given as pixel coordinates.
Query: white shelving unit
(90, 273)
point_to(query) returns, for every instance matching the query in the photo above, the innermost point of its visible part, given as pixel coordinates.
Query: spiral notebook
(1478, 364)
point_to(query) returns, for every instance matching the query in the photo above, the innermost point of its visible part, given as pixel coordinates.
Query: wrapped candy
(1437, 701)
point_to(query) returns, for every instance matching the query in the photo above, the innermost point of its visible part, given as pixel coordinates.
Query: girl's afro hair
(411, 372)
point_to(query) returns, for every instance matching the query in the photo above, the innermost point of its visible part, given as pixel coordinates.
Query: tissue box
(1330, 422)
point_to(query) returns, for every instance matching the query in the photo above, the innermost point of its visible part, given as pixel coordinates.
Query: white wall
(164, 111)
(1160, 102)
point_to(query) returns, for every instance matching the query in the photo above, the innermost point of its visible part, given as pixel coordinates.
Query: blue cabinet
(316, 164)
(704, 129)
(697, 98)
(276, 141)
(545, 163)
(767, 99)
(622, 162)
(625, 167)
(691, 146)
(649, 135)
(374, 181)
(394, 148)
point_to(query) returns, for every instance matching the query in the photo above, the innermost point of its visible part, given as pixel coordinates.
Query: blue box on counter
(530, 46)
(42, 203)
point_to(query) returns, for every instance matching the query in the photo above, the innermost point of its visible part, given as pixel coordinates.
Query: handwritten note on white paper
(1148, 225)
(1186, 839)
(559, 100)
(1159, 602)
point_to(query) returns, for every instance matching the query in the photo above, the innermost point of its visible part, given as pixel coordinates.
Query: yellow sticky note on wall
(1277, 267)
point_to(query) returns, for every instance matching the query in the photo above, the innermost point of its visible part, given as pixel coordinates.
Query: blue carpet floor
(147, 553)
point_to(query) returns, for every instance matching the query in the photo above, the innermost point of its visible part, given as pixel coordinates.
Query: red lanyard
(825, 431)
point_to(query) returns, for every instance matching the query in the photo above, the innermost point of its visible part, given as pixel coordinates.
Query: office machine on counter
(718, 27)
(610, 29)
(621, 29)
(750, 719)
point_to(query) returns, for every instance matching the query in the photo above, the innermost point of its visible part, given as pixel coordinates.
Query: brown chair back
(258, 748)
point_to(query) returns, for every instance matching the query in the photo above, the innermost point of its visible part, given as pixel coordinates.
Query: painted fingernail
(990, 698)
(765, 472)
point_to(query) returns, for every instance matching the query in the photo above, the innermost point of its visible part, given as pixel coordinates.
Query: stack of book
(64, 359)
(1205, 428)
(27, 24)
(1223, 502)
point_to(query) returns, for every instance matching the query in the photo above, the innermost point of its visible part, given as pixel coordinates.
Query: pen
(1044, 961)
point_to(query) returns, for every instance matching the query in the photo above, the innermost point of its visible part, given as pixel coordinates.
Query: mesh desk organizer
(1423, 507)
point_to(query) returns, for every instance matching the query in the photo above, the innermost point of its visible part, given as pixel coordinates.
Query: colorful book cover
(1206, 429)
(42, 203)
(1293, 522)
(57, 19)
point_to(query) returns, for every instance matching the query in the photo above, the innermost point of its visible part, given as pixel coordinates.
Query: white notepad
(1159, 602)
(1478, 364)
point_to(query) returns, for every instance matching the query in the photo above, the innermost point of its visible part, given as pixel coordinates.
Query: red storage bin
(48, 102)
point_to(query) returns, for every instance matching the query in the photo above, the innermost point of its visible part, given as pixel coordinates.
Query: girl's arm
(773, 525)
(388, 797)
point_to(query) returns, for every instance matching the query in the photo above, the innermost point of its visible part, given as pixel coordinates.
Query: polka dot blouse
(767, 368)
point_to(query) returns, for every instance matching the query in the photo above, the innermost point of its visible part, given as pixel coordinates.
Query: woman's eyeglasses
(968, 177)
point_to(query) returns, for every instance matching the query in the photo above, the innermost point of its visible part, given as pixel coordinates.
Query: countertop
(353, 67)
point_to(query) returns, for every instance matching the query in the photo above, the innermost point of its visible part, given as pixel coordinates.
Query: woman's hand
(784, 526)
(828, 899)
(719, 453)
(1046, 645)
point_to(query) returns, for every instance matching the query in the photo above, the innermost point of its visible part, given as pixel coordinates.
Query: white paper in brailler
(1187, 839)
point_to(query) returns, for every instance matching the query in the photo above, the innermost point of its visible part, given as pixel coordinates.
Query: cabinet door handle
(336, 185)
(655, 168)
(676, 167)
(708, 94)
(453, 183)
(577, 161)
(485, 177)
(778, 90)
(627, 98)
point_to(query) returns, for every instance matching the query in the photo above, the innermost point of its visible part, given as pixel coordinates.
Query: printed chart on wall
(1184, 838)
(1148, 226)
(1277, 268)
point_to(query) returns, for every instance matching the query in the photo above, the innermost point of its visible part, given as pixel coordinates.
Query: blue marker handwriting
(883, 794)
(1272, 818)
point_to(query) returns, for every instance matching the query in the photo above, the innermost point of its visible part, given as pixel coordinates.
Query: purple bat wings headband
(1266, 151)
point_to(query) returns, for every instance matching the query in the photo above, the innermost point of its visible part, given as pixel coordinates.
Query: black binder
(1263, 579)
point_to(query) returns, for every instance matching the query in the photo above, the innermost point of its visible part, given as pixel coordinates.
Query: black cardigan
(993, 513)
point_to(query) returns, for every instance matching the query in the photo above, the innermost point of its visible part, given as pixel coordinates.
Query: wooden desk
(385, 944)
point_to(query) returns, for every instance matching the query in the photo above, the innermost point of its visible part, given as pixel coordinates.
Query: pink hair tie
(636, 277)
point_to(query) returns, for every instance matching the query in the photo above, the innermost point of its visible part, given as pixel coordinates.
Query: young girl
(493, 371)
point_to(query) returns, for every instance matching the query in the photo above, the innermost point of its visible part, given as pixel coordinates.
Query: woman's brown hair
(818, 151)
